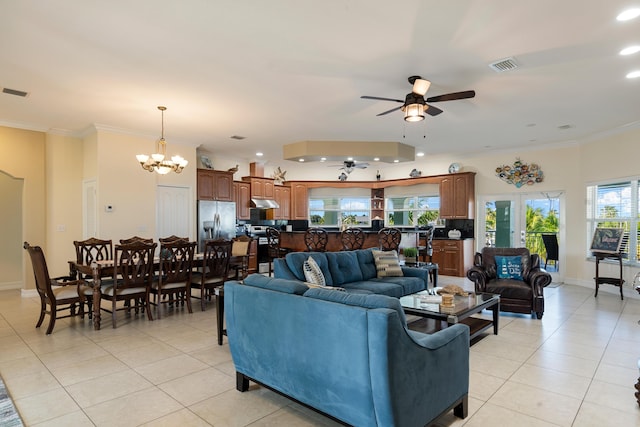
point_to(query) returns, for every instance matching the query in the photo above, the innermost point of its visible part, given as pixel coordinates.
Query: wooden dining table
(104, 268)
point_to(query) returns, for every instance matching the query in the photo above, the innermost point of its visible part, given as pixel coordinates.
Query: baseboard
(28, 293)
(627, 289)
(6, 286)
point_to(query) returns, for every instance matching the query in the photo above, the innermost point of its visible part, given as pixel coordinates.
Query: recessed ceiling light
(630, 50)
(349, 158)
(376, 159)
(396, 161)
(420, 154)
(629, 14)
(259, 154)
(633, 74)
(301, 160)
(323, 159)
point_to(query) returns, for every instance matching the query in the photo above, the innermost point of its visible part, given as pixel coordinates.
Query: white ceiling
(282, 71)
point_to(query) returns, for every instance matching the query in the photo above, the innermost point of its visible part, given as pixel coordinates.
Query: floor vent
(503, 65)
(14, 92)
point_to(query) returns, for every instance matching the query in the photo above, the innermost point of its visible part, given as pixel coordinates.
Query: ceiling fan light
(414, 112)
(421, 86)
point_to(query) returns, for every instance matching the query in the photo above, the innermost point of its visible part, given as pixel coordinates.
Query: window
(351, 207)
(615, 205)
(410, 211)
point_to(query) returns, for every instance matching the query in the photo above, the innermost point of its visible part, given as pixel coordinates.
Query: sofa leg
(539, 314)
(242, 382)
(461, 410)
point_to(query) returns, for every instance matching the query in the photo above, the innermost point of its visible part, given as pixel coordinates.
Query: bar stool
(352, 239)
(274, 250)
(389, 239)
(316, 239)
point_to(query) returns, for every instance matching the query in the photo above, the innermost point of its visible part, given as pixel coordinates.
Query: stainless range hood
(264, 204)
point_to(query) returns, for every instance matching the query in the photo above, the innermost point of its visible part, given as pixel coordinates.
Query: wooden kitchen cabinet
(215, 185)
(261, 188)
(454, 257)
(457, 196)
(242, 197)
(299, 201)
(282, 196)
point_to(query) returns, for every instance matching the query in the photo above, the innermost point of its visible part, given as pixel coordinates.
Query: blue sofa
(355, 271)
(347, 355)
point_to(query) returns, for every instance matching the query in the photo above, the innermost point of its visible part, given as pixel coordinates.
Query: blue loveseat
(355, 271)
(347, 355)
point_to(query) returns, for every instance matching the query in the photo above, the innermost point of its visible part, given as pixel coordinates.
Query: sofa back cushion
(359, 300)
(281, 285)
(344, 267)
(367, 263)
(490, 264)
(295, 262)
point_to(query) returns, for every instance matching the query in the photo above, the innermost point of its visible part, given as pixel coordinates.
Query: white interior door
(174, 212)
(89, 209)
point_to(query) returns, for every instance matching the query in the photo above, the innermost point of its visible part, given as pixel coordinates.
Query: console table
(615, 281)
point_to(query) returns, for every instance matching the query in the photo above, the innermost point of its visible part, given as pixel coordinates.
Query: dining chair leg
(52, 318)
(187, 298)
(113, 313)
(147, 307)
(43, 309)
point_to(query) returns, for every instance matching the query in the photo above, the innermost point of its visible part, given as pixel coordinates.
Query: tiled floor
(575, 367)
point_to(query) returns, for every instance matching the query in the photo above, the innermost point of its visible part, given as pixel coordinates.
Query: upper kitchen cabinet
(457, 196)
(261, 188)
(215, 185)
(299, 201)
(282, 195)
(242, 197)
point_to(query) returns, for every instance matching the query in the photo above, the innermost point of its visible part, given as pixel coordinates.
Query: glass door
(530, 220)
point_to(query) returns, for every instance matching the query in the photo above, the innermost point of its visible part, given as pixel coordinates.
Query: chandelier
(156, 162)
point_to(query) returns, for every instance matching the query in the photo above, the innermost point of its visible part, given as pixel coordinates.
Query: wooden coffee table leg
(496, 316)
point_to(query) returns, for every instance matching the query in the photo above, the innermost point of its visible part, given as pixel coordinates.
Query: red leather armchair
(517, 296)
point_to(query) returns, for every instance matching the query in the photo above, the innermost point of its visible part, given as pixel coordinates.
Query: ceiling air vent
(14, 92)
(238, 137)
(503, 65)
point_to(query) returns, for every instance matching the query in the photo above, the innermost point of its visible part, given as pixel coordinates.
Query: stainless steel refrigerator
(216, 220)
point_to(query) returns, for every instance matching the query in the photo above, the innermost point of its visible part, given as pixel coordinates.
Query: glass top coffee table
(422, 304)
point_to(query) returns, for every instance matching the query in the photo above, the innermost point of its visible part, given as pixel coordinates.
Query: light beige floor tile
(548, 379)
(87, 369)
(183, 417)
(24, 366)
(133, 409)
(198, 386)
(614, 374)
(497, 416)
(289, 416)
(72, 355)
(233, 408)
(625, 359)
(483, 386)
(97, 390)
(213, 355)
(45, 406)
(171, 368)
(150, 353)
(450, 420)
(492, 365)
(561, 346)
(595, 415)
(542, 404)
(564, 363)
(75, 419)
(494, 346)
(613, 396)
(191, 341)
(29, 385)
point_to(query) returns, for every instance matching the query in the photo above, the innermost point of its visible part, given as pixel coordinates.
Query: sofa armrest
(417, 272)
(478, 275)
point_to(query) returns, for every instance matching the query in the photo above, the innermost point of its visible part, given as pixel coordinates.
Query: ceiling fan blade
(433, 111)
(381, 99)
(389, 111)
(453, 96)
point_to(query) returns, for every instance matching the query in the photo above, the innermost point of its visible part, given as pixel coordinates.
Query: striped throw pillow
(387, 264)
(312, 272)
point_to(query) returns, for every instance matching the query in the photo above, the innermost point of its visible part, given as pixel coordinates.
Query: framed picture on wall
(607, 240)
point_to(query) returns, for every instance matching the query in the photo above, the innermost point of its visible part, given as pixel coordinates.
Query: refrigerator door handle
(217, 226)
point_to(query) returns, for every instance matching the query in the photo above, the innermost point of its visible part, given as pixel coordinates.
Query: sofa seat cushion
(344, 267)
(295, 262)
(281, 285)
(510, 288)
(381, 287)
(359, 300)
(410, 285)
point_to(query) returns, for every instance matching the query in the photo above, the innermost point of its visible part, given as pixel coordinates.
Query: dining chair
(274, 250)
(172, 238)
(214, 270)
(173, 283)
(56, 293)
(389, 239)
(89, 251)
(133, 273)
(240, 249)
(352, 239)
(315, 239)
(135, 239)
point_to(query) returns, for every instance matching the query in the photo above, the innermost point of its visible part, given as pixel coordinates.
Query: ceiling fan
(415, 104)
(349, 165)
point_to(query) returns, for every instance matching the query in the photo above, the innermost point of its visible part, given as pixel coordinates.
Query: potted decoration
(410, 255)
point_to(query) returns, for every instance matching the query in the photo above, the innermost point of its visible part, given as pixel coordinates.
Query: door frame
(519, 200)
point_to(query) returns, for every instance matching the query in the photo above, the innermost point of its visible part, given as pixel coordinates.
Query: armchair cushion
(509, 267)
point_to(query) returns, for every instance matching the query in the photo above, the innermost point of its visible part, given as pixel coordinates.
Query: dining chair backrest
(135, 239)
(133, 264)
(91, 250)
(176, 261)
(172, 238)
(40, 271)
(216, 257)
(352, 239)
(389, 239)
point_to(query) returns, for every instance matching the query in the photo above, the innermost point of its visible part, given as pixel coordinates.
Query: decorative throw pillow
(312, 272)
(509, 267)
(387, 264)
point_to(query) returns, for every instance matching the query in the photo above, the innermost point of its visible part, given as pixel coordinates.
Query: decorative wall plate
(520, 173)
